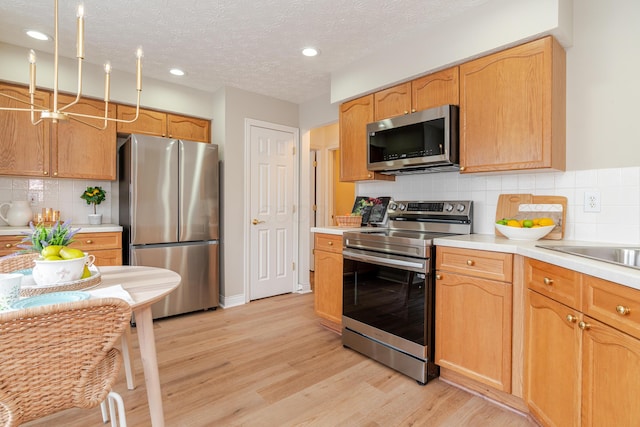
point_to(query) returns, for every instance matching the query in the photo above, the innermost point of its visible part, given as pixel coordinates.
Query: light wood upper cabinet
(474, 315)
(25, 148)
(394, 101)
(426, 92)
(512, 109)
(66, 149)
(158, 123)
(436, 89)
(81, 151)
(354, 117)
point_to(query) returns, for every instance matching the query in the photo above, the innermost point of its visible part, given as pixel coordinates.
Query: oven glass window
(390, 299)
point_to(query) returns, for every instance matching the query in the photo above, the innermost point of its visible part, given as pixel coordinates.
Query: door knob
(256, 221)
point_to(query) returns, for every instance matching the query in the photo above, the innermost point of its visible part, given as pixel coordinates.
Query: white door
(272, 209)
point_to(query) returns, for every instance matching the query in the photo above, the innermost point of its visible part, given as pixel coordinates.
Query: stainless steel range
(388, 284)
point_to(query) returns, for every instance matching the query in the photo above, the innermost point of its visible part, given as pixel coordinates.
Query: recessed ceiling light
(177, 72)
(310, 51)
(37, 35)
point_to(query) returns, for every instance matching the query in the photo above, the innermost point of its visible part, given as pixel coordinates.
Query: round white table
(146, 285)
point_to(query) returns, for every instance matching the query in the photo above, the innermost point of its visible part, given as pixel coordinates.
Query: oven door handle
(387, 261)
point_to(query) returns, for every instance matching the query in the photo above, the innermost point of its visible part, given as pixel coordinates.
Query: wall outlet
(591, 201)
(34, 200)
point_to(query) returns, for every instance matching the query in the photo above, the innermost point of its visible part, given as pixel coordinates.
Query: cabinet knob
(584, 326)
(55, 174)
(45, 173)
(571, 318)
(438, 277)
(462, 168)
(8, 245)
(368, 175)
(406, 112)
(547, 281)
(622, 310)
(89, 241)
(330, 243)
(470, 262)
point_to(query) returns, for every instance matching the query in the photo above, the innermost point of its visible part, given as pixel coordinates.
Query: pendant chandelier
(59, 113)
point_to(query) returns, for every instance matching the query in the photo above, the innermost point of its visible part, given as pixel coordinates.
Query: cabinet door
(354, 117)
(436, 89)
(513, 109)
(81, 151)
(189, 128)
(24, 147)
(552, 361)
(473, 328)
(328, 286)
(611, 374)
(394, 101)
(149, 122)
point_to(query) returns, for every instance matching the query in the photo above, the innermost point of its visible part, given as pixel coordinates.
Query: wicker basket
(24, 261)
(349, 220)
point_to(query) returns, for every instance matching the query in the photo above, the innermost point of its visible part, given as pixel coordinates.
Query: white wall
(493, 26)
(238, 105)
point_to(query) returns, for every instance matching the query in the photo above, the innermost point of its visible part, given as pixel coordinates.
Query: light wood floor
(269, 363)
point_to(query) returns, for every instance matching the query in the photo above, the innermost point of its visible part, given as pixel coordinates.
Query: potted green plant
(94, 196)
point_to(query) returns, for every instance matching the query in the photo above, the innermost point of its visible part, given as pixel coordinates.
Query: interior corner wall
(238, 106)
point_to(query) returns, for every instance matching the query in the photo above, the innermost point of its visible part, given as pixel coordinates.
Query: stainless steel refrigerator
(169, 211)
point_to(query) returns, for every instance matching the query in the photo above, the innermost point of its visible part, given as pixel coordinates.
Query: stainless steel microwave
(421, 142)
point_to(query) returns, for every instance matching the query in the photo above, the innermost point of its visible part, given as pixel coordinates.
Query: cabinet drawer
(613, 304)
(108, 257)
(96, 241)
(9, 244)
(485, 264)
(328, 243)
(558, 283)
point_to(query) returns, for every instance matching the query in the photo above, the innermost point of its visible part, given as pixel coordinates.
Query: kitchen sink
(620, 255)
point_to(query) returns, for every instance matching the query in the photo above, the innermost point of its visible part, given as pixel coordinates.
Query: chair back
(58, 357)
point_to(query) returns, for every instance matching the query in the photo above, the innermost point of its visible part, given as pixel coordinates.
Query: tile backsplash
(59, 194)
(619, 188)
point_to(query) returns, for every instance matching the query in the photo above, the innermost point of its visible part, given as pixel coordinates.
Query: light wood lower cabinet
(579, 369)
(474, 315)
(106, 247)
(9, 244)
(328, 280)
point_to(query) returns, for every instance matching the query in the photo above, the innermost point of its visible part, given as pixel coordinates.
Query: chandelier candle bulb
(32, 71)
(80, 45)
(139, 55)
(107, 81)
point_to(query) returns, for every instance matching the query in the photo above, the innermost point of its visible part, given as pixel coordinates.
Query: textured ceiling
(249, 44)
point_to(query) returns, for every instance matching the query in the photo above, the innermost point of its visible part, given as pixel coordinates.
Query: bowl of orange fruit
(525, 229)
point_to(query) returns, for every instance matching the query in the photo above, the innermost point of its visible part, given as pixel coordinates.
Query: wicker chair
(22, 261)
(59, 357)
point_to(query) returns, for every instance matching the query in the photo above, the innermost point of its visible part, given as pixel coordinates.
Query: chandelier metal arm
(79, 91)
(56, 114)
(22, 101)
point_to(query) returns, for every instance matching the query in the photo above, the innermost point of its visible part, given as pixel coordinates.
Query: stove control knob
(392, 206)
(402, 206)
(448, 207)
(460, 208)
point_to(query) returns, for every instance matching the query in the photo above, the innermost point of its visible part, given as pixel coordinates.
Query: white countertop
(84, 228)
(488, 242)
(624, 275)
